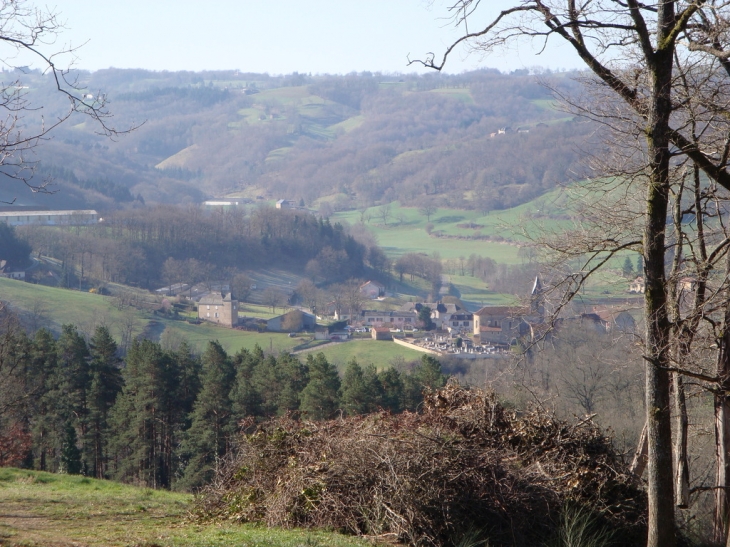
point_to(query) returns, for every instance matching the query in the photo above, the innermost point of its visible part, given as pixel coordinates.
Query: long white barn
(50, 218)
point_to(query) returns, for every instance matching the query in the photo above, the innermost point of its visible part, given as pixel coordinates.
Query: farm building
(381, 333)
(50, 218)
(372, 289)
(292, 321)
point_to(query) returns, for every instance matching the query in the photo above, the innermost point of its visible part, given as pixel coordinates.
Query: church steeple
(537, 302)
(537, 286)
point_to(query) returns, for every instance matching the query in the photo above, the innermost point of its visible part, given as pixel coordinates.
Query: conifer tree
(391, 384)
(265, 381)
(106, 383)
(16, 399)
(292, 376)
(319, 399)
(245, 399)
(212, 424)
(71, 384)
(46, 435)
(143, 417)
(427, 374)
(353, 393)
(361, 390)
(187, 369)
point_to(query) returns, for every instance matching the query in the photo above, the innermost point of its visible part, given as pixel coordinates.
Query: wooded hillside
(357, 139)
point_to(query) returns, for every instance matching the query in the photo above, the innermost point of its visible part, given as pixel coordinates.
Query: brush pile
(464, 464)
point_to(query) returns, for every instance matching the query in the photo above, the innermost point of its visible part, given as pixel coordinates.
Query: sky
(275, 36)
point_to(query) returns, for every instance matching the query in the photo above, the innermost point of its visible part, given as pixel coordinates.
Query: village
(435, 328)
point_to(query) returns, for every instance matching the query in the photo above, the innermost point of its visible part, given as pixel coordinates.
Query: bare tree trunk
(638, 464)
(659, 426)
(722, 430)
(681, 465)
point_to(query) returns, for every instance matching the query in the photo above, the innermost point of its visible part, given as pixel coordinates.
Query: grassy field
(231, 340)
(460, 94)
(459, 232)
(377, 352)
(46, 510)
(55, 307)
(474, 293)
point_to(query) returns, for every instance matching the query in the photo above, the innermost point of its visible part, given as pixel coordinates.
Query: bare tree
(37, 313)
(635, 52)
(241, 287)
(273, 297)
(31, 33)
(309, 294)
(384, 212)
(428, 209)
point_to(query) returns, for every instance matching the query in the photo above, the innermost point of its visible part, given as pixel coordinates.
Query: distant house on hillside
(173, 290)
(377, 318)
(7, 270)
(614, 319)
(637, 285)
(217, 308)
(226, 202)
(286, 204)
(443, 315)
(372, 289)
(687, 284)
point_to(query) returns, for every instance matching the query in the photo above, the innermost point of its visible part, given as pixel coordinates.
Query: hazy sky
(275, 36)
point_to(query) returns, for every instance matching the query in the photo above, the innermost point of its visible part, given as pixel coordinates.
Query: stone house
(218, 308)
(500, 324)
(441, 313)
(459, 322)
(506, 324)
(372, 289)
(400, 319)
(637, 285)
(616, 320)
(381, 333)
(286, 204)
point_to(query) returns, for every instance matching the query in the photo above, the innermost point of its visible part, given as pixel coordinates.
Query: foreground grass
(43, 509)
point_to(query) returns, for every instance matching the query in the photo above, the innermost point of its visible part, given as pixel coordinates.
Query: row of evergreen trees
(163, 418)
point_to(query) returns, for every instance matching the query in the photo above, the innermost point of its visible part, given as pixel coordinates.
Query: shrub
(464, 463)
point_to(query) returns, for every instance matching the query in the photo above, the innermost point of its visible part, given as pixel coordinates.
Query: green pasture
(546, 104)
(278, 154)
(474, 293)
(410, 154)
(231, 340)
(458, 232)
(179, 159)
(42, 509)
(380, 353)
(319, 131)
(349, 124)
(405, 232)
(53, 307)
(460, 94)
